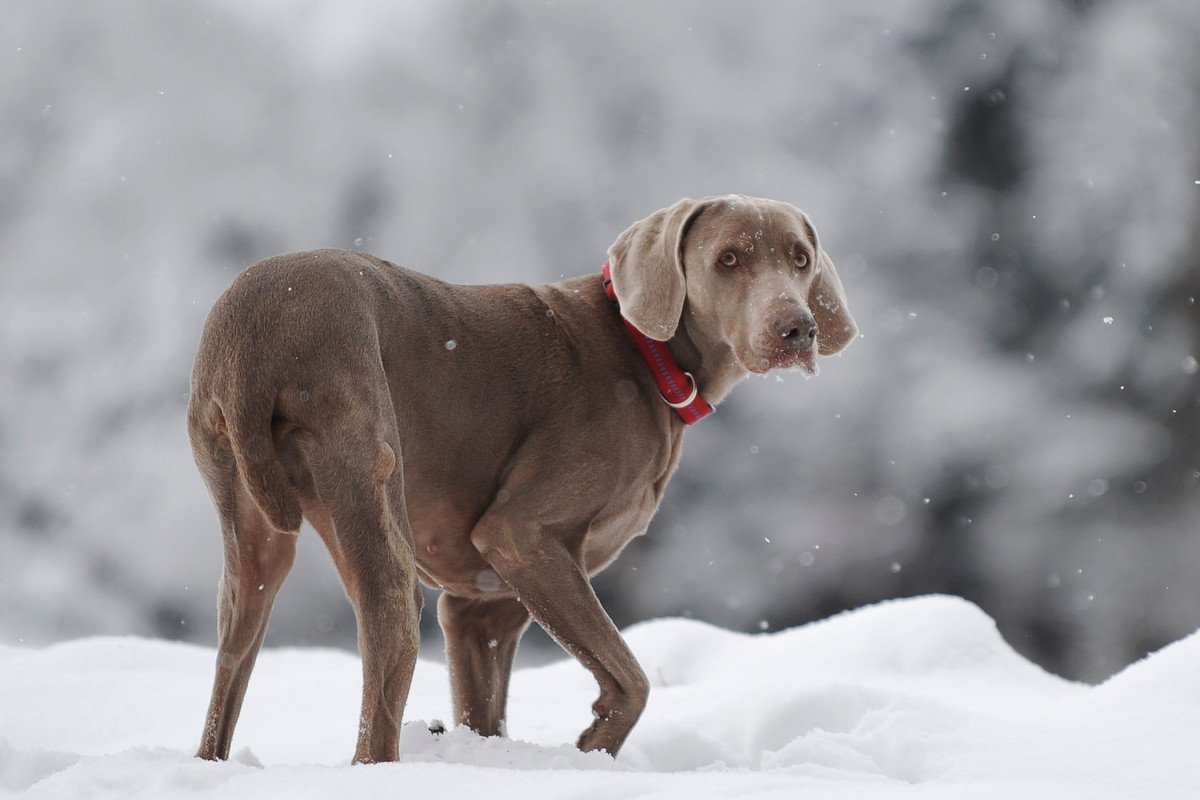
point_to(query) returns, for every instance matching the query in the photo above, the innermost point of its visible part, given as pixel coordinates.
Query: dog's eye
(801, 259)
(729, 258)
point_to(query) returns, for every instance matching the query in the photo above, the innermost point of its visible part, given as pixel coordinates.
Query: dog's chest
(605, 541)
(626, 517)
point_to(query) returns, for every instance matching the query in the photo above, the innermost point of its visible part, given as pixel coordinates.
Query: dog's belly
(460, 573)
(446, 559)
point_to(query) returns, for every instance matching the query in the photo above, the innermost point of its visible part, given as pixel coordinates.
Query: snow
(909, 698)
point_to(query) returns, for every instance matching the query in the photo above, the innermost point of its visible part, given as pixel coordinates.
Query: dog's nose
(797, 328)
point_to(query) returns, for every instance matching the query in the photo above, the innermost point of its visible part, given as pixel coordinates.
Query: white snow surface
(910, 698)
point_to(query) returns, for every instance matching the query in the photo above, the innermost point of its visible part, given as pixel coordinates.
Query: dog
(501, 443)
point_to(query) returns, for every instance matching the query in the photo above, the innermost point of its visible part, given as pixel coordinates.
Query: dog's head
(748, 272)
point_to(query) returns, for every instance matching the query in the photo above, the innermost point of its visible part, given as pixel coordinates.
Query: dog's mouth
(803, 360)
(806, 362)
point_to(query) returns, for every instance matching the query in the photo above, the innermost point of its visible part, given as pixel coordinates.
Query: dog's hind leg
(363, 519)
(257, 560)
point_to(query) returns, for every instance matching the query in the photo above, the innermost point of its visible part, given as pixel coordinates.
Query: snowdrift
(912, 698)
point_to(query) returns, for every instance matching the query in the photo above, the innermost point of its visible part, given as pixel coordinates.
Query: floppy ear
(827, 301)
(647, 269)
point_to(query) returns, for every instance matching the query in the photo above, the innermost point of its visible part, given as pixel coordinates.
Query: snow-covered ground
(912, 698)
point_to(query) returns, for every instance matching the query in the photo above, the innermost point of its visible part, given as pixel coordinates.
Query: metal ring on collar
(691, 397)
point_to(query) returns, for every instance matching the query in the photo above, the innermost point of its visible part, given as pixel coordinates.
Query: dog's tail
(249, 426)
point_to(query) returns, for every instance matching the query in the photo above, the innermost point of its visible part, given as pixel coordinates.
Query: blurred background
(1011, 192)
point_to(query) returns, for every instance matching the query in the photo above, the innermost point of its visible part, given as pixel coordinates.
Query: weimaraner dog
(500, 443)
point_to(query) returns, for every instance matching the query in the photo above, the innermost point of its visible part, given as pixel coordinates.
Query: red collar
(678, 388)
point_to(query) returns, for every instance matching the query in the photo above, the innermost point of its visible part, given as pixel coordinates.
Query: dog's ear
(647, 269)
(827, 301)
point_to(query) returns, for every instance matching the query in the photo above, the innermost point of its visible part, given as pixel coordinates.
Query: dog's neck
(711, 362)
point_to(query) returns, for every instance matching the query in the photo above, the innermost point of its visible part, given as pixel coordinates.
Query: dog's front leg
(481, 642)
(549, 581)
